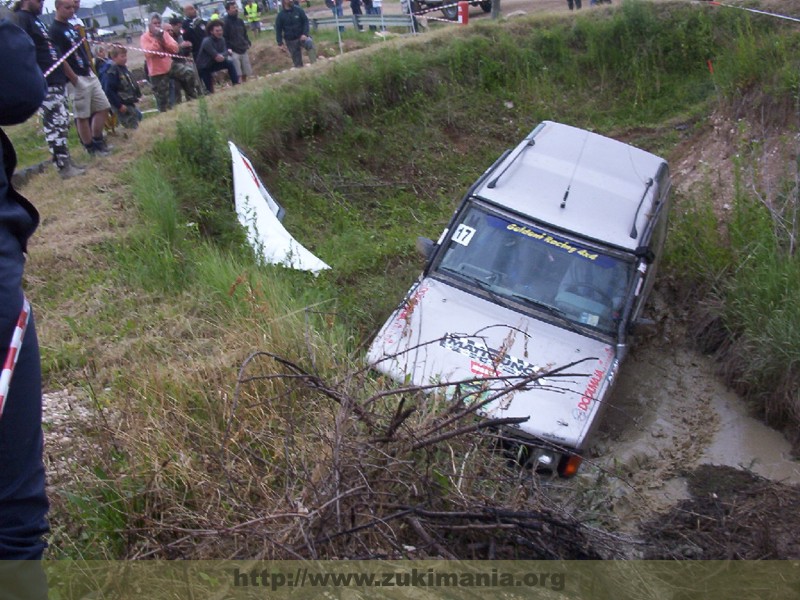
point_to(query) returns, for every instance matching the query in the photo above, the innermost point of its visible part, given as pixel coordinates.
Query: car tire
(486, 6)
(450, 12)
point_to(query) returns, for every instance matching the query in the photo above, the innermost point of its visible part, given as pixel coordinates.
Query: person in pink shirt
(162, 68)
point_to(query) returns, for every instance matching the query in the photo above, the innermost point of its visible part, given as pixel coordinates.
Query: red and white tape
(430, 10)
(110, 44)
(65, 57)
(13, 352)
(137, 49)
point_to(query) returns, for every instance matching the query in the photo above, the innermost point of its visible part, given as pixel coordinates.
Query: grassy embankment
(365, 155)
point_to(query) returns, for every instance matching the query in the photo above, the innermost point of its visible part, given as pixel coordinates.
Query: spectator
(176, 30)
(156, 42)
(368, 11)
(185, 50)
(194, 28)
(55, 108)
(576, 3)
(375, 8)
(100, 59)
(355, 8)
(337, 10)
(252, 16)
(80, 29)
(89, 103)
(215, 56)
(23, 499)
(291, 33)
(122, 90)
(235, 33)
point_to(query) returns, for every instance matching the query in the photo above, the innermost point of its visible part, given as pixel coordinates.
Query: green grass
(30, 145)
(365, 156)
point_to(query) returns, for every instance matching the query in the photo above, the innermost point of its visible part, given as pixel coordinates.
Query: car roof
(577, 181)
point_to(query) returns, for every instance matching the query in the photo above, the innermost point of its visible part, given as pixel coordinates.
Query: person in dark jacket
(291, 33)
(214, 56)
(122, 90)
(23, 500)
(355, 8)
(234, 30)
(89, 104)
(194, 28)
(55, 108)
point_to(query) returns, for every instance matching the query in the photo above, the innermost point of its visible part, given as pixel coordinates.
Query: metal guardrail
(360, 21)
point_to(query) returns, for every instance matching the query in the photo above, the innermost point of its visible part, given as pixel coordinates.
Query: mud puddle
(669, 415)
(672, 413)
(744, 442)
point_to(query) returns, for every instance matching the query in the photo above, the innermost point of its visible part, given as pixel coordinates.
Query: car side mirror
(425, 246)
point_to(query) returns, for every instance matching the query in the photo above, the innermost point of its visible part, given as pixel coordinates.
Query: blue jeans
(205, 73)
(23, 503)
(338, 11)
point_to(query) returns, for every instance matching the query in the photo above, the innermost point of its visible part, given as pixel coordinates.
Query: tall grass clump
(760, 306)
(746, 274)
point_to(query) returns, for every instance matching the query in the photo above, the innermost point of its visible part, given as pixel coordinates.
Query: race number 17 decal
(463, 235)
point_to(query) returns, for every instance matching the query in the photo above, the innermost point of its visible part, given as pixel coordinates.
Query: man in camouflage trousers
(55, 108)
(159, 45)
(56, 122)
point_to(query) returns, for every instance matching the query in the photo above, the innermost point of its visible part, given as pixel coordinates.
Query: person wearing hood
(23, 500)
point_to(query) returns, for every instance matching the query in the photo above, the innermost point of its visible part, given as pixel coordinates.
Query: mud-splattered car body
(529, 297)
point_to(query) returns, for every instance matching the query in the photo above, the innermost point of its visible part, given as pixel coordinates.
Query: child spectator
(214, 56)
(100, 58)
(122, 90)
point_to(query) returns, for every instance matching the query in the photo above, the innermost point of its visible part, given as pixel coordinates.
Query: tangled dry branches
(348, 469)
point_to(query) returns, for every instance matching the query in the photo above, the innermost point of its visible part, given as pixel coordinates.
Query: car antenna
(634, 232)
(493, 182)
(574, 169)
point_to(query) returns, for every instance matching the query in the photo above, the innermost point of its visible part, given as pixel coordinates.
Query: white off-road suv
(530, 296)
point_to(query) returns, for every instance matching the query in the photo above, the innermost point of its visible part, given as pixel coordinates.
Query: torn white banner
(260, 215)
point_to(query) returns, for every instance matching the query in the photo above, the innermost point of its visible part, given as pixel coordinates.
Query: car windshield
(542, 271)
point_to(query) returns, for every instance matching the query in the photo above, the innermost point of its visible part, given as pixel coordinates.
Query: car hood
(441, 334)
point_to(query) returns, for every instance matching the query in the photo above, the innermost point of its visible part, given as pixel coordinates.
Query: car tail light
(569, 465)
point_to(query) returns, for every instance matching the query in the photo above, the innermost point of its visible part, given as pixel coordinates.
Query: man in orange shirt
(156, 42)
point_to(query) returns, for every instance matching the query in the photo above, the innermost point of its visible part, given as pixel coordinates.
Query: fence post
(463, 12)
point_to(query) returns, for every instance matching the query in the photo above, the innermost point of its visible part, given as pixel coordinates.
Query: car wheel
(450, 12)
(486, 6)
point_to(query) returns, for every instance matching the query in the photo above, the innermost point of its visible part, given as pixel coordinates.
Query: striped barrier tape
(110, 44)
(435, 9)
(65, 57)
(13, 352)
(756, 11)
(137, 49)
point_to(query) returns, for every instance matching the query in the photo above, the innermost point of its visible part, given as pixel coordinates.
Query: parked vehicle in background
(449, 7)
(531, 296)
